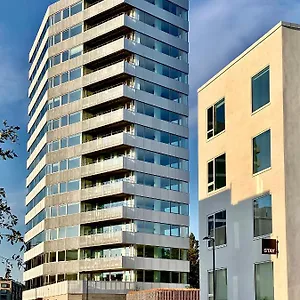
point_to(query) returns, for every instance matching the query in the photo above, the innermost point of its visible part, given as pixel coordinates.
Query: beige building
(108, 176)
(249, 173)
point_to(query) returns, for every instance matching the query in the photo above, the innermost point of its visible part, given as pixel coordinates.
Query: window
(75, 118)
(262, 213)
(77, 51)
(216, 119)
(76, 8)
(217, 173)
(221, 285)
(75, 30)
(216, 225)
(71, 255)
(74, 74)
(264, 281)
(262, 152)
(261, 89)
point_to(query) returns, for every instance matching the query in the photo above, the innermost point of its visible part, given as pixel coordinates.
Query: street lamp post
(213, 241)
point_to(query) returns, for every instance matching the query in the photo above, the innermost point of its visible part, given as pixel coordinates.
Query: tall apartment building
(249, 171)
(108, 198)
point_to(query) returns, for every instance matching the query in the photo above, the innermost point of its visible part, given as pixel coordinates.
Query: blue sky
(220, 30)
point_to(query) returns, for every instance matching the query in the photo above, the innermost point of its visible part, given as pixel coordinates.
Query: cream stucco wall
(234, 83)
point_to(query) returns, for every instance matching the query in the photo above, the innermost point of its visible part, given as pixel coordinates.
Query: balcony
(79, 287)
(102, 191)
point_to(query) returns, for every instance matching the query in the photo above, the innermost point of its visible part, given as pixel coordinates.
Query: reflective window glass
(76, 8)
(262, 152)
(66, 13)
(260, 89)
(75, 118)
(74, 74)
(73, 185)
(262, 208)
(75, 30)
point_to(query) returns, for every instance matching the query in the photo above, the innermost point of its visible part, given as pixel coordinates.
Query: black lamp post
(213, 241)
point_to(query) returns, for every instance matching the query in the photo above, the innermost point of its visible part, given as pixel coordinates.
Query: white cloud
(222, 29)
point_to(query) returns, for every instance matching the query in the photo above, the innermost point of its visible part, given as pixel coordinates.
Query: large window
(264, 281)
(216, 119)
(260, 89)
(217, 173)
(216, 227)
(262, 213)
(262, 152)
(221, 285)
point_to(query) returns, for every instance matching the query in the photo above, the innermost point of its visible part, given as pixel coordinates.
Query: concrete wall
(291, 96)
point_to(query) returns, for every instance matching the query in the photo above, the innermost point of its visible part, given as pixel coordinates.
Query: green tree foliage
(193, 257)
(8, 220)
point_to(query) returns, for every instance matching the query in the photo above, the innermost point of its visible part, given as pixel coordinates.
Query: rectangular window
(217, 173)
(76, 8)
(76, 30)
(74, 140)
(66, 34)
(261, 89)
(264, 281)
(216, 119)
(71, 255)
(73, 208)
(73, 185)
(77, 51)
(66, 13)
(262, 152)
(74, 74)
(74, 118)
(216, 225)
(221, 285)
(262, 213)
(74, 163)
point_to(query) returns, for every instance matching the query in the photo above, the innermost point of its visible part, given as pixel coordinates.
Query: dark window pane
(219, 117)
(149, 251)
(140, 275)
(262, 152)
(260, 89)
(220, 172)
(220, 228)
(140, 250)
(149, 276)
(165, 276)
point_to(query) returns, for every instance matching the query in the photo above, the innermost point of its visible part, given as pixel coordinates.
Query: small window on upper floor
(216, 119)
(261, 89)
(261, 147)
(216, 173)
